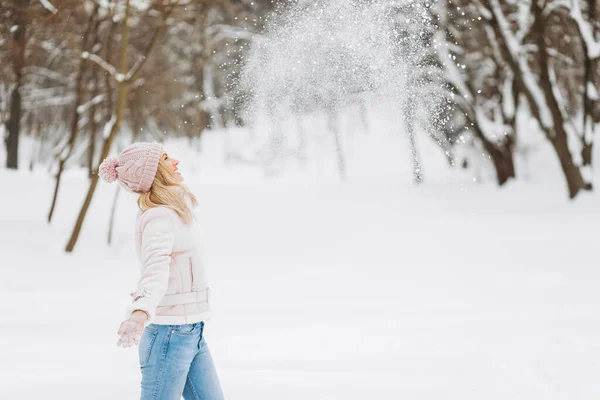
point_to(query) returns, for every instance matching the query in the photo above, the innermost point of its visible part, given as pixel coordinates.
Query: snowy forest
(479, 78)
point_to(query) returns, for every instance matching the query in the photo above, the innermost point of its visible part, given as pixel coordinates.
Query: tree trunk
(210, 95)
(557, 134)
(123, 86)
(64, 156)
(335, 129)
(93, 138)
(409, 126)
(575, 181)
(13, 128)
(38, 144)
(93, 124)
(113, 210)
(61, 165)
(587, 135)
(501, 154)
(302, 152)
(502, 158)
(14, 122)
(586, 155)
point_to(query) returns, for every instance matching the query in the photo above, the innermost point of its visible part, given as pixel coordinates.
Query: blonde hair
(167, 192)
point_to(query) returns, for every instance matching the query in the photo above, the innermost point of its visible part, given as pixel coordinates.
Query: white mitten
(131, 332)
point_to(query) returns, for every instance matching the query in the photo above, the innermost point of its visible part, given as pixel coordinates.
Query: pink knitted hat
(134, 168)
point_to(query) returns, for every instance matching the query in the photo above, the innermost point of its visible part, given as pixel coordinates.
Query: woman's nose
(175, 162)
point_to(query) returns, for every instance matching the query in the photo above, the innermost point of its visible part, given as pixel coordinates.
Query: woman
(172, 293)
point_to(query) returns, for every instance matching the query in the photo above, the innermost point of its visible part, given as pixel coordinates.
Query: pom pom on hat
(108, 169)
(135, 168)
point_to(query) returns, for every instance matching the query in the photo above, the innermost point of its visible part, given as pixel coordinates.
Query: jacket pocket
(146, 345)
(193, 285)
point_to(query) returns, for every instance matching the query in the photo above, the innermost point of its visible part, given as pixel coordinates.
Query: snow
(109, 126)
(586, 31)
(508, 107)
(592, 91)
(373, 289)
(48, 6)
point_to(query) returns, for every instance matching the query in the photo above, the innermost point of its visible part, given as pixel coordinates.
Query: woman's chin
(179, 177)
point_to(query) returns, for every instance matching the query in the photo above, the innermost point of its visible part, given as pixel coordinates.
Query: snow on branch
(524, 19)
(222, 31)
(586, 30)
(101, 62)
(84, 107)
(132, 73)
(555, 4)
(48, 6)
(57, 101)
(47, 73)
(516, 53)
(108, 127)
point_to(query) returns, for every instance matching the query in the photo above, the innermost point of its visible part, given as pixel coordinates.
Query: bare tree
(123, 79)
(67, 151)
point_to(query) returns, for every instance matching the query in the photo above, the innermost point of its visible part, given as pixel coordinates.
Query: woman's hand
(131, 329)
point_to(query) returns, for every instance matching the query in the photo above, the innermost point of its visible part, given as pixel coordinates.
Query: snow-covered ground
(452, 290)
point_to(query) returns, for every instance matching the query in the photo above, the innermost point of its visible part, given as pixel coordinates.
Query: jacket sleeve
(157, 239)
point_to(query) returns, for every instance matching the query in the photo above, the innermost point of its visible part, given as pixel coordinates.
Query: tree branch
(519, 63)
(140, 63)
(100, 62)
(585, 30)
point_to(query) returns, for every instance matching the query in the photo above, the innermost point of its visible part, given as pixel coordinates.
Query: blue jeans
(175, 360)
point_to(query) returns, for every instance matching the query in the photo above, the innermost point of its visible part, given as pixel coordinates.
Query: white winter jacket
(172, 288)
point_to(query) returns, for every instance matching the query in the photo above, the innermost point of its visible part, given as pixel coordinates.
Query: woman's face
(172, 163)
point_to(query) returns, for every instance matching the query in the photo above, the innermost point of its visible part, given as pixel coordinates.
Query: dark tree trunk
(13, 127)
(502, 158)
(555, 134)
(501, 154)
(575, 181)
(61, 167)
(588, 102)
(14, 121)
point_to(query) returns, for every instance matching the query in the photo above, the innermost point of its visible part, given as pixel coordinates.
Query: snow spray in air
(328, 58)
